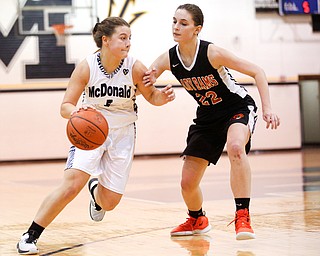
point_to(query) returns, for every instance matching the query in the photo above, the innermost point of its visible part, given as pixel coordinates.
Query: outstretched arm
(220, 57)
(150, 93)
(161, 64)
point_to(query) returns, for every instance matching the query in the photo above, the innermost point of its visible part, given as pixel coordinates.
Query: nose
(176, 26)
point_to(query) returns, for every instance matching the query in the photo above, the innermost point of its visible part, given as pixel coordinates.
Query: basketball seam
(104, 135)
(81, 134)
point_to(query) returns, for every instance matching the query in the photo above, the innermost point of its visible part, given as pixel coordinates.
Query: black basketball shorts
(207, 141)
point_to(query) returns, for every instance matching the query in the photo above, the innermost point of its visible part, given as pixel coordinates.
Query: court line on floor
(223, 218)
(101, 240)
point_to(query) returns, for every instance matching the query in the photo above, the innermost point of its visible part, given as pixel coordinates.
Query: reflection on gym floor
(285, 209)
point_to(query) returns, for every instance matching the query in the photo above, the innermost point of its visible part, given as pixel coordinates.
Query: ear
(105, 39)
(198, 30)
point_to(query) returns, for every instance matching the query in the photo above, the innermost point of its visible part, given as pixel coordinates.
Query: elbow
(259, 73)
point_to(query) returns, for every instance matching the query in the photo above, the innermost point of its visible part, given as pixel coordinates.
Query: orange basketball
(87, 129)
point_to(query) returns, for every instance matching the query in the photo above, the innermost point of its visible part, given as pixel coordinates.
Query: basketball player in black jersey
(226, 115)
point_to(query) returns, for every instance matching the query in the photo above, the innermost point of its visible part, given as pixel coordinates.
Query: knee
(109, 204)
(71, 191)
(235, 150)
(187, 185)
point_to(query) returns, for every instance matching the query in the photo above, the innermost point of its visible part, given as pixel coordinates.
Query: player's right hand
(149, 77)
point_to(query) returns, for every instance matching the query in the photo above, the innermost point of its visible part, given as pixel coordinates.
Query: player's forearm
(263, 89)
(157, 98)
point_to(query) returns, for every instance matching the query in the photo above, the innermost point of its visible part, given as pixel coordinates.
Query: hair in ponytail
(107, 28)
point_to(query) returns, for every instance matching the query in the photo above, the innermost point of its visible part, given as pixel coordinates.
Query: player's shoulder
(138, 68)
(214, 50)
(129, 61)
(82, 70)
(83, 65)
(91, 59)
(94, 55)
(137, 64)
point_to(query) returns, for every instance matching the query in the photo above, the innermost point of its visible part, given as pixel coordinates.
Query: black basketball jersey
(215, 90)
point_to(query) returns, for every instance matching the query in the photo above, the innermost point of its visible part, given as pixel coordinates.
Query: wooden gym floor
(285, 209)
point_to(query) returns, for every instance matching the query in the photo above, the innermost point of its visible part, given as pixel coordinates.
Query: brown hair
(195, 12)
(107, 28)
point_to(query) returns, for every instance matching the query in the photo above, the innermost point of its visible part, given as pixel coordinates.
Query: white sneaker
(27, 245)
(96, 212)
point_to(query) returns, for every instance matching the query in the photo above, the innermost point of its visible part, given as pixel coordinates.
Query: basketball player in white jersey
(108, 81)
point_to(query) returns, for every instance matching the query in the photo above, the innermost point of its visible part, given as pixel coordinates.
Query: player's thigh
(238, 135)
(116, 162)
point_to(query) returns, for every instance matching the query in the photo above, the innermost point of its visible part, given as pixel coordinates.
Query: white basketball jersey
(112, 94)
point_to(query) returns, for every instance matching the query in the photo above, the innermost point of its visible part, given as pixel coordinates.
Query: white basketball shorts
(111, 162)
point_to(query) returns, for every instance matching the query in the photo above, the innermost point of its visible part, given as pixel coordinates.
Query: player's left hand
(168, 92)
(272, 120)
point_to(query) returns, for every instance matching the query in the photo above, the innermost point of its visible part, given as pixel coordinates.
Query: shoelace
(31, 239)
(232, 221)
(238, 219)
(189, 222)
